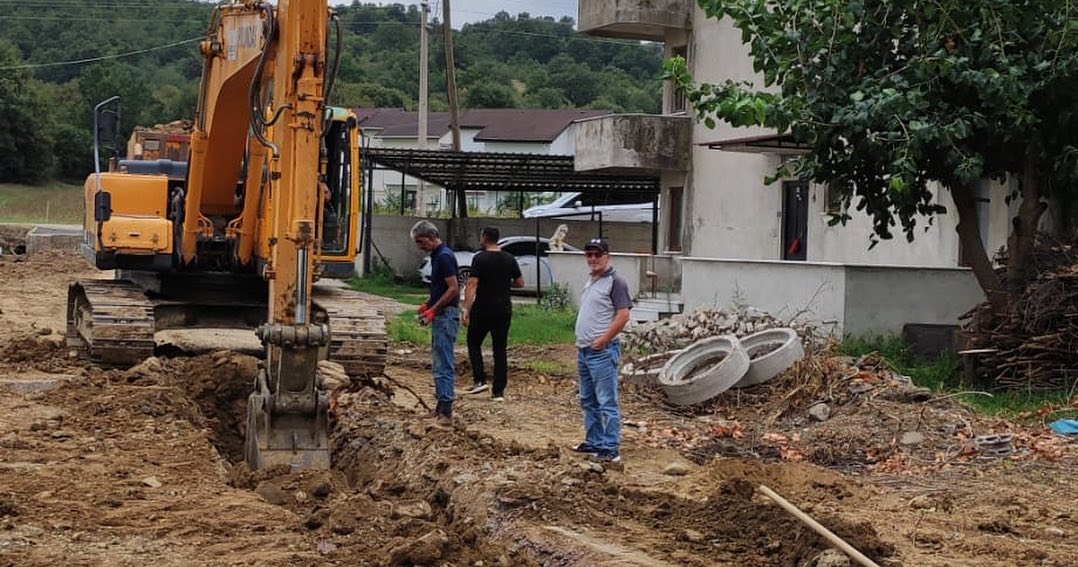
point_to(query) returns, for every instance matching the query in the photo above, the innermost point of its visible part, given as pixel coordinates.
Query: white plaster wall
(564, 144)
(933, 245)
(467, 141)
(571, 270)
(732, 213)
(517, 147)
(880, 300)
(783, 289)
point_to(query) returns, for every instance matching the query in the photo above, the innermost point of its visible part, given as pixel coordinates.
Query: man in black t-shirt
(488, 309)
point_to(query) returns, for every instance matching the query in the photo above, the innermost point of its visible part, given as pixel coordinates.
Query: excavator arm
(263, 105)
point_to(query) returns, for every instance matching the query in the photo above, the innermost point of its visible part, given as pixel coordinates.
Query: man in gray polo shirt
(604, 311)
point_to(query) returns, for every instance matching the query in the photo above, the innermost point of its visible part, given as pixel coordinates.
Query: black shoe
(586, 448)
(479, 387)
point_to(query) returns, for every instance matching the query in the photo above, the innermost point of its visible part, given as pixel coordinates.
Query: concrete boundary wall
(856, 300)
(390, 236)
(784, 289)
(882, 299)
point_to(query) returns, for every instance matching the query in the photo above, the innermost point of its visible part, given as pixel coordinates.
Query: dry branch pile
(1033, 344)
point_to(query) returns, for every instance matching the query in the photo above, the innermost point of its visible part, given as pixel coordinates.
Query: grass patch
(944, 375)
(550, 367)
(385, 285)
(55, 203)
(531, 326)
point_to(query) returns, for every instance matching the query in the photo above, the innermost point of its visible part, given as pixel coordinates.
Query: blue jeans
(599, 395)
(444, 331)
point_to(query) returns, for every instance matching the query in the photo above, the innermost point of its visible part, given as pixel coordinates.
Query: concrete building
(533, 131)
(726, 233)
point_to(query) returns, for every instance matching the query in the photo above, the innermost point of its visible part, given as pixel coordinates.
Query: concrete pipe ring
(704, 370)
(646, 370)
(771, 353)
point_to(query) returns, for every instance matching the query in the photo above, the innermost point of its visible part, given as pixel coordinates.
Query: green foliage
(53, 203)
(514, 203)
(556, 298)
(537, 326)
(531, 325)
(405, 328)
(381, 281)
(25, 145)
(890, 96)
(490, 95)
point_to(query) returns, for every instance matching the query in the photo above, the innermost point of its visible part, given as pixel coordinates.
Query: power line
(102, 58)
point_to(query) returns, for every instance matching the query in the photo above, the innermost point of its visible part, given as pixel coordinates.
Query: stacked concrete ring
(771, 353)
(686, 382)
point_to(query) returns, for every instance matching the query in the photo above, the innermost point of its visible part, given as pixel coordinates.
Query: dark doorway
(674, 217)
(795, 199)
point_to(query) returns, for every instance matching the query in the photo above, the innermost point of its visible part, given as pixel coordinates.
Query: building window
(674, 218)
(834, 199)
(677, 98)
(982, 196)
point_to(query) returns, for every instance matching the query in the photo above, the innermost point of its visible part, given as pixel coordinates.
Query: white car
(523, 247)
(615, 207)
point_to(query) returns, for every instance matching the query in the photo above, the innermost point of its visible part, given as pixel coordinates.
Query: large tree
(891, 96)
(25, 146)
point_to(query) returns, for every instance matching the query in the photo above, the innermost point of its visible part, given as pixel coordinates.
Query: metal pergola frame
(458, 172)
(490, 171)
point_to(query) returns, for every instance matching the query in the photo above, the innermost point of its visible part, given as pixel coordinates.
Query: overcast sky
(465, 11)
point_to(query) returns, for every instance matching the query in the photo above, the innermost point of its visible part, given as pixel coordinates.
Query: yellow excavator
(267, 203)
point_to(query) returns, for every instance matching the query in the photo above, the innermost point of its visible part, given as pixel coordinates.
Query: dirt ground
(142, 466)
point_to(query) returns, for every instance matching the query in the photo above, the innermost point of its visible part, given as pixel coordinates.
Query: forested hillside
(59, 57)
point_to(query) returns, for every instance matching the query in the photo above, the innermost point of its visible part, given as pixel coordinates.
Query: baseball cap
(599, 243)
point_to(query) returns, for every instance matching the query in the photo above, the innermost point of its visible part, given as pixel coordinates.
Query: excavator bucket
(292, 439)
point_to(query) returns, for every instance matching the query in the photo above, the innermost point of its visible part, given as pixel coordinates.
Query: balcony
(634, 19)
(633, 143)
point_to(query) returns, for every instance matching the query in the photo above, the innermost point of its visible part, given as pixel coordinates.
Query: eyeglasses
(593, 254)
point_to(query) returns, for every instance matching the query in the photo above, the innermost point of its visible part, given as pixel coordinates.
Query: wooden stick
(816, 527)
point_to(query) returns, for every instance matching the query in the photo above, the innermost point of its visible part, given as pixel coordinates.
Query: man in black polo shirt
(488, 310)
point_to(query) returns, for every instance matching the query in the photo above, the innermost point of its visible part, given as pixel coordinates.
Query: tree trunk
(1024, 229)
(973, 250)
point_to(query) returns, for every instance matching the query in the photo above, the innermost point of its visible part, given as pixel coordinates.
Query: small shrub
(556, 298)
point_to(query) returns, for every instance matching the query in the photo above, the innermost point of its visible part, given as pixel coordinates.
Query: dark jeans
(498, 327)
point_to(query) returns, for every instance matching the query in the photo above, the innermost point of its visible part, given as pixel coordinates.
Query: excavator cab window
(335, 206)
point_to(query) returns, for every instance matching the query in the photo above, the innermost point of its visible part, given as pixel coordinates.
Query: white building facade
(724, 226)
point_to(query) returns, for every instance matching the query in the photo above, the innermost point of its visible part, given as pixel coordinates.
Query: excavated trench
(399, 494)
(464, 496)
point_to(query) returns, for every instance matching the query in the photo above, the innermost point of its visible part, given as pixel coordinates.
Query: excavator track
(358, 331)
(112, 320)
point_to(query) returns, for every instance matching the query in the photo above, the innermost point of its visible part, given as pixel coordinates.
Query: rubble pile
(1031, 344)
(682, 330)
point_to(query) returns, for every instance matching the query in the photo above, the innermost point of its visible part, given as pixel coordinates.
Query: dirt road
(141, 466)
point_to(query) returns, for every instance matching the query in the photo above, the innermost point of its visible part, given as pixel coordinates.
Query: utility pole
(421, 193)
(454, 111)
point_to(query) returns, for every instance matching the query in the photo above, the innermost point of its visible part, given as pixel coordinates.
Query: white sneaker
(477, 388)
(498, 399)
